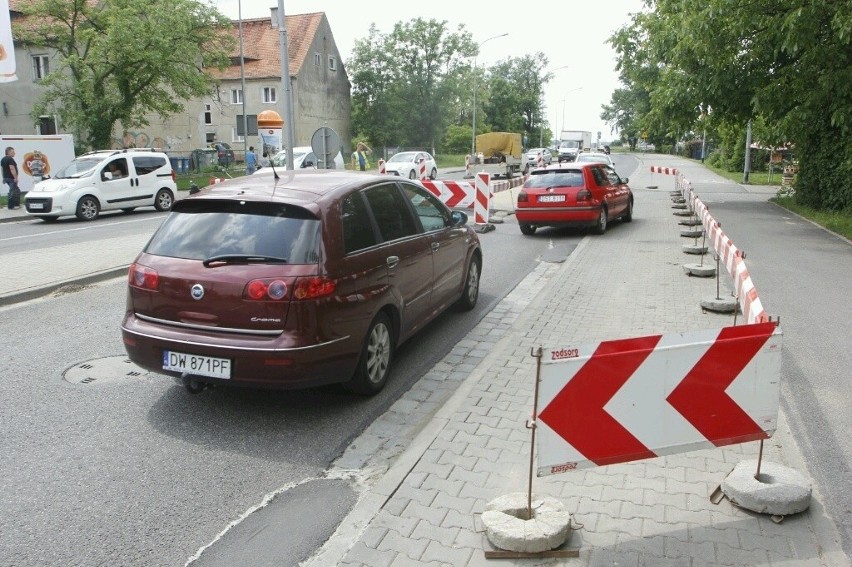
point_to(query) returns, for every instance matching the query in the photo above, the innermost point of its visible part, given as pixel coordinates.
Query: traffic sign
(325, 143)
(630, 399)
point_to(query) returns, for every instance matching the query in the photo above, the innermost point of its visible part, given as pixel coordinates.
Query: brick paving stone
(421, 512)
(402, 523)
(426, 531)
(423, 496)
(727, 555)
(454, 503)
(361, 555)
(411, 547)
(448, 555)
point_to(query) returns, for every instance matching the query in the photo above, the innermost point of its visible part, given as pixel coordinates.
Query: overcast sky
(573, 38)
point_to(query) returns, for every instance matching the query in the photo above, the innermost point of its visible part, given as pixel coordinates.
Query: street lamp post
(473, 136)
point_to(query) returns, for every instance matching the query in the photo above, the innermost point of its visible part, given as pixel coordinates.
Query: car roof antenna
(274, 173)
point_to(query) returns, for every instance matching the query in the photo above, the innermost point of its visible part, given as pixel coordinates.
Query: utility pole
(747, 165)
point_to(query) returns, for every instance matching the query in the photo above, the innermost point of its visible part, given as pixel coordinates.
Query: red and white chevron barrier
(482, 204)
(382, 168)
(629, 399)
(732, 258)
(665, 170)
(423, 174)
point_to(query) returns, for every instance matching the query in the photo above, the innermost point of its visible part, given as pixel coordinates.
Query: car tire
(628, 214)
(164, 200)
(600, 225)
(88, 208)
(128, 210)
(527, 229)
(470, 294)
(412, 174)
(374, 365)
(434, 174)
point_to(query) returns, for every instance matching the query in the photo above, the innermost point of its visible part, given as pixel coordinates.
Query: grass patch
(838, 222)
(754, 178)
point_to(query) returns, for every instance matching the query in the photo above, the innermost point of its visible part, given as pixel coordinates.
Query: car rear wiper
(243, 259)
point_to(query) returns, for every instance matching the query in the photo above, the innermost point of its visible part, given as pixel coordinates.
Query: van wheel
(374, 366)
(88, 208)
(164, 200)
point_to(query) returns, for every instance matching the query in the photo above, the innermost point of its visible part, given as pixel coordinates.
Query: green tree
(124, 59)
(514, 101)
(785, 64)
(406, 84)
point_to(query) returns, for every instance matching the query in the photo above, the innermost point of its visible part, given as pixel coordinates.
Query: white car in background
(595, 157)
(407, 164)
(532, 156)
(304, 157)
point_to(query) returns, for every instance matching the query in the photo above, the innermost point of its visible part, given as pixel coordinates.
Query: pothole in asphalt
(107, 370)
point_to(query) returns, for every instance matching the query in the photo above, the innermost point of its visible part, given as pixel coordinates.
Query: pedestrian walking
(251, 161)
(10, 178)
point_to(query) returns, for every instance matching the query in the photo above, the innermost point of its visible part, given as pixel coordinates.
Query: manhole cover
(108, 370)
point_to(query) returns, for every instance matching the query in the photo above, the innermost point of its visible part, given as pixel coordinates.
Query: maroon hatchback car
(294, 279)
(573, 194)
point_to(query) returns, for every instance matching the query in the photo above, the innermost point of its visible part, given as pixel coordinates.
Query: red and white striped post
(467, 166)
(482, 204)
(382, 169)
(423, 168)
(540, 160)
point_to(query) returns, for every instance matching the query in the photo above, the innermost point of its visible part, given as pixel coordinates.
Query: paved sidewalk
(629, 282)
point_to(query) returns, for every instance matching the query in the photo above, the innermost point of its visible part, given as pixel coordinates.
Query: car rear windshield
(203, 229)
(555, 178)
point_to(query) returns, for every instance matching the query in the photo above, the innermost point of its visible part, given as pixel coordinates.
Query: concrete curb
(36, 292)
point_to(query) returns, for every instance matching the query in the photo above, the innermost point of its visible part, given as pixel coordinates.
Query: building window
(41, 67)
(317, 59)
(269, 95)
(235, 136)
(47, 125)
(236, 96)
(210, 137)
(208, 114)
(332, 63)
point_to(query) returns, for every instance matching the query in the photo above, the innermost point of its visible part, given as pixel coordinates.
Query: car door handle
(392, 261)
(435, 246)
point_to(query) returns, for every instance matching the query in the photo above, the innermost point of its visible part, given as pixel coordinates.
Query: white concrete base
(686, 213)
(779, 490)
(698, 270)
(506, 529)
(678, 206)
(719, 305)
(694, 249)
(689, 222)
(692, 233)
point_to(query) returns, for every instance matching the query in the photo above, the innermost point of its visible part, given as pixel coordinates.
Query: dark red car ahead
(573, 194)
(308, 279)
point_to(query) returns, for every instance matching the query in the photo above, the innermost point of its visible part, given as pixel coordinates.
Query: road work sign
(631, 399)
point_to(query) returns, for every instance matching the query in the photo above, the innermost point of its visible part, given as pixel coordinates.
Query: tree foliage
(785, 64)
(414, 87)
(124, 59)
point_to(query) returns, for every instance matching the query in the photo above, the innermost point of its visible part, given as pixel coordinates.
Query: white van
(103, 181)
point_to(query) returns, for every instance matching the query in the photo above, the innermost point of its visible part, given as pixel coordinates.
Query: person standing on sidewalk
(10, 178)
(251, 161)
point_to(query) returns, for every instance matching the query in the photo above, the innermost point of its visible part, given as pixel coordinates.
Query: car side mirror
(459, 218)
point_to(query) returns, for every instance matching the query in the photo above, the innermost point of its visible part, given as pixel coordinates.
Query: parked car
(304, 157)
(407, 164)
(313, 278)
(532, 156)
(105, 180)
(588, 194)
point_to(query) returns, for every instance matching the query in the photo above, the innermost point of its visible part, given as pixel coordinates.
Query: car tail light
(523, 197)
(143, 277)
(584, 195)
(313, 288)
(266, 290)
(174, 177)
